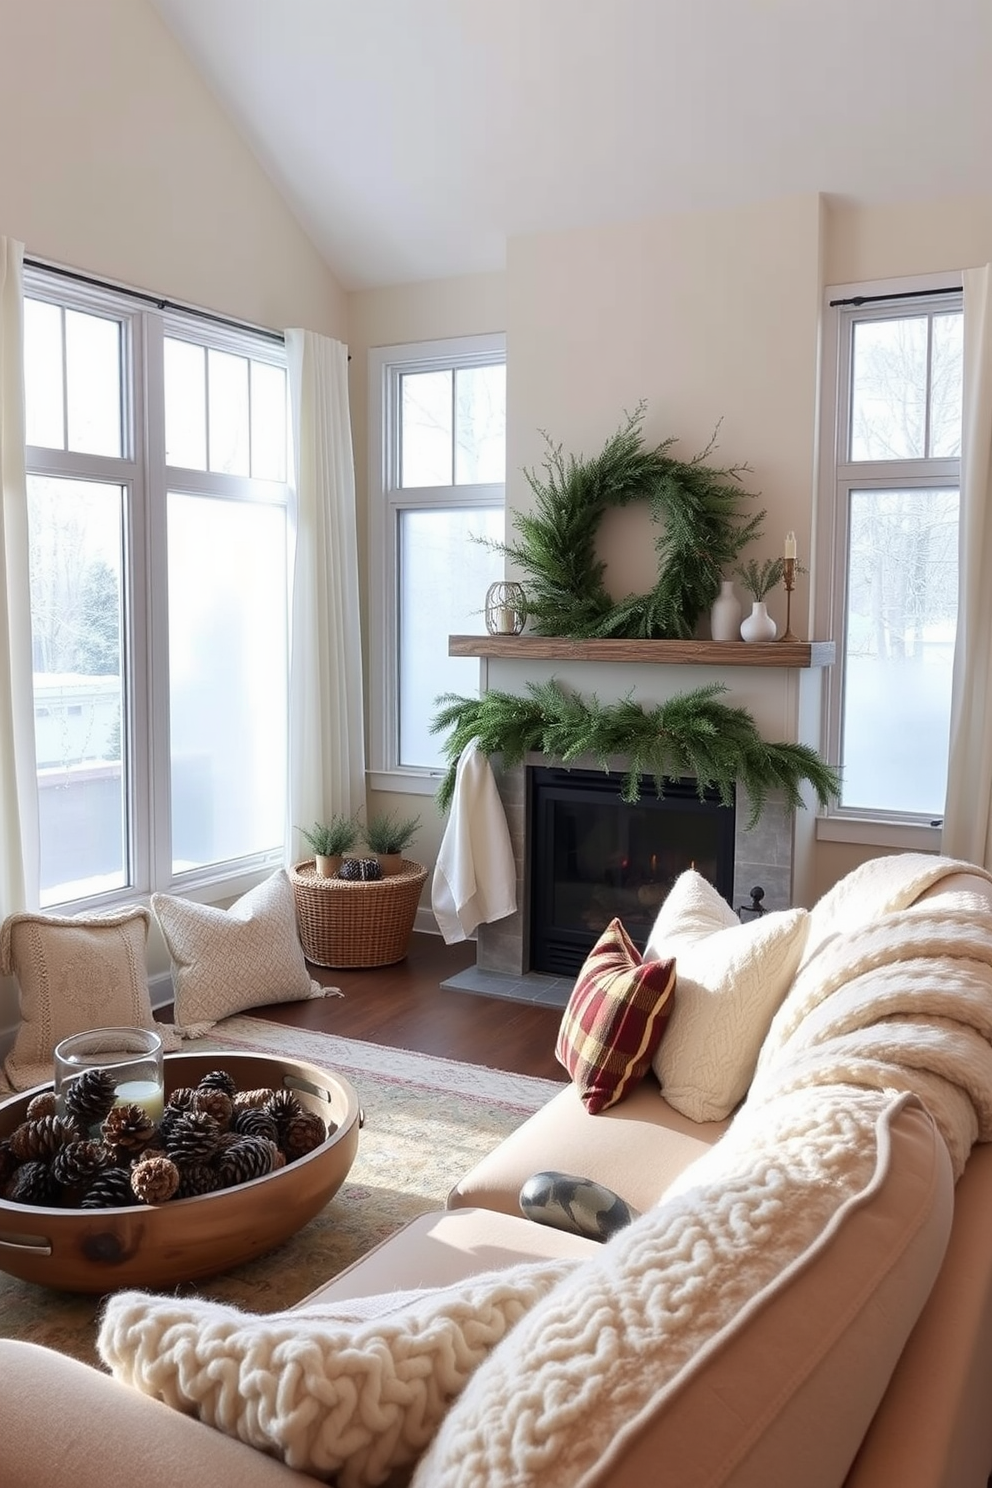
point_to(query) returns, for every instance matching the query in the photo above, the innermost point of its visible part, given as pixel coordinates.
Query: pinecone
(110, 1189)
(196, 1178)
(251, 1157)
(217, 1103)
(245, 1098)
(302, 1135)
(219, 1080)
(32, 1183)
(80, 1162)
(256, 1122)
(154, 1180)
(8, 1162)
(283, 1106)
(360, 869)
(42, 1105)
(128, 1128)
(39, 1140)
(90, 1096)
(192, 1137)
(183, 1098)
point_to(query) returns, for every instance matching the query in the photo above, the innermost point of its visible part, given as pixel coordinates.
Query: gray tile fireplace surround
(762, 855)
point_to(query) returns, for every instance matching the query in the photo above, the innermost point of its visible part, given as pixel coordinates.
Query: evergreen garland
(691, 734)
(702, 531)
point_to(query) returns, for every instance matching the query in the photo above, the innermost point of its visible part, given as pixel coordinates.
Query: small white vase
(759, 625)
(725, 614)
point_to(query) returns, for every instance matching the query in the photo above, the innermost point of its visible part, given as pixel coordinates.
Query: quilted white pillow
(225, 960)
(731, 979)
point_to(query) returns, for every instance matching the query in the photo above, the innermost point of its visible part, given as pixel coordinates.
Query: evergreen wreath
(702, 530)
(690, 734)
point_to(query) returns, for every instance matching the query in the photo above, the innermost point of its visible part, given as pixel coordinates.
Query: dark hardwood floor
(405, 1007)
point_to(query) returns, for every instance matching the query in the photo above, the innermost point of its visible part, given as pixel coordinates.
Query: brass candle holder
(789, 579)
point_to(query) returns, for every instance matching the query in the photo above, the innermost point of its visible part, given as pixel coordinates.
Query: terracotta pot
(390, 863)
(327, 867)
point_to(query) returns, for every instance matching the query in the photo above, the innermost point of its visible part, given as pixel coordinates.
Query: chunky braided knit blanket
(900, 1001)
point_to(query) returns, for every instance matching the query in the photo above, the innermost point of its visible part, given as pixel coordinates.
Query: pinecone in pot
(110, 1189)
(40, 1140)
(217, 1103)
(192, 1137)
(128, 1128)
(90, 1096)
(78, 1163)
(43, 1104)
(154, 1180)
(8, 1162)
(196, 1178)
(283, 1106)
(251, 1157)
(32, 1183)
(219, 1080)
(303, 1134)
(255, 1121)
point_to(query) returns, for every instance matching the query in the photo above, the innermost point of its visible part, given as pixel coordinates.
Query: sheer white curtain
(18, 793)
(968, 807)
(327, 715)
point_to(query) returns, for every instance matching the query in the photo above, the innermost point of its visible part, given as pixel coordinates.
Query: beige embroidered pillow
(225, 960)
(731, 980)
(74, 972)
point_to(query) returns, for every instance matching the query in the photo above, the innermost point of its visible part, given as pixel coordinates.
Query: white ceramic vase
(759, 625)
(725, 614)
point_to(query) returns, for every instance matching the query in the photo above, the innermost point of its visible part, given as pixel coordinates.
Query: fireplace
(594, 857)
(762, 854)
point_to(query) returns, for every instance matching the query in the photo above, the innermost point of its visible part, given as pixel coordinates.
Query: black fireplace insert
(594, 857)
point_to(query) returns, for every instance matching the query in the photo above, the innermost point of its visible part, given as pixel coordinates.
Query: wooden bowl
(157, 1245)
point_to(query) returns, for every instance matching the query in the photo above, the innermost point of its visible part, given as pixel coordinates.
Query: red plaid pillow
(615, 1019)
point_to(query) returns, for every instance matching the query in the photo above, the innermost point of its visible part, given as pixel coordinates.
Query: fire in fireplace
(595, 857)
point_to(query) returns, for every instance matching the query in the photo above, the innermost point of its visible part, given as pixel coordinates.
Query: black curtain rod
(156, 300)
(909, 294)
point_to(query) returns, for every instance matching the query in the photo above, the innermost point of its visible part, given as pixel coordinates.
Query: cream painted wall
(122, 164)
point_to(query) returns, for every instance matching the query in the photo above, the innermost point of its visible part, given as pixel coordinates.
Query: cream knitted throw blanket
(901, 1001)
(592, 1342)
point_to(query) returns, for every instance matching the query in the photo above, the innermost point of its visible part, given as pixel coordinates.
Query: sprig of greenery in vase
(759, 579)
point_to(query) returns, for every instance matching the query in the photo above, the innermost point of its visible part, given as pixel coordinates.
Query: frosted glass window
(480, 425)
(426, 429)
(899, 649)
(43, 385)
(444, 575)
(228, 413)
(93, 384)
(906, 388)
(185, 404)
(76, 531)
(227, 678)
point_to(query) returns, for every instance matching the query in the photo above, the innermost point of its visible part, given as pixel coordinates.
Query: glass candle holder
(132, 1055)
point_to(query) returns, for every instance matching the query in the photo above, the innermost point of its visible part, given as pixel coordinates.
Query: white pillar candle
(505, 620)
(790, 545)
(145, 1093)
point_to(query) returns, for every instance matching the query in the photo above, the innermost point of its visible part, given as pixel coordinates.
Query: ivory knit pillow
(731, 980)
(225, 960)
(74, 972)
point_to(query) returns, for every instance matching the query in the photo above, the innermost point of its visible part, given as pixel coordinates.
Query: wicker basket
(346, 924)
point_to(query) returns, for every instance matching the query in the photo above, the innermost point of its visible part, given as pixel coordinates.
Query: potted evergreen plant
(388, 836)
(330, 841)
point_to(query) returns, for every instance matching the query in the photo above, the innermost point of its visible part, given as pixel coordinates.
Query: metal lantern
(505, 608)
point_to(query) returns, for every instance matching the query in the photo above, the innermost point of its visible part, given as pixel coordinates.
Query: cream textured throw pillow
(74, 972)
(731, 979)
(225, 960)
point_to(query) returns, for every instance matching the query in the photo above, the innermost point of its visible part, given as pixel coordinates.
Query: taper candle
(790, 545)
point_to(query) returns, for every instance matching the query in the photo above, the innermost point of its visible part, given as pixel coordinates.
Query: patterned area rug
(426, 1122)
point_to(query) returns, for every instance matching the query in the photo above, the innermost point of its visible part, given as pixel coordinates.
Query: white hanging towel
(475, 880)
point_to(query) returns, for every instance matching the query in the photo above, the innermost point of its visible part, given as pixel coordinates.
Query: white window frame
(141, 470)
(387, 498)
(837, 478)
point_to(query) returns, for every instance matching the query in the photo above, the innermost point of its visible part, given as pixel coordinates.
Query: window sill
(906, 836)
(406, 782)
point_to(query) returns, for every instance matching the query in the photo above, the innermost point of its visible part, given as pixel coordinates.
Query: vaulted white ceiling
(413, 138)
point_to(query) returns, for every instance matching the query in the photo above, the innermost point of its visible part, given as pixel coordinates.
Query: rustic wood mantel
(658, 653)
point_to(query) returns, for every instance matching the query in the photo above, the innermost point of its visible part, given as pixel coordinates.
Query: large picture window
(892, 516)
(157, 457)
(438, 421)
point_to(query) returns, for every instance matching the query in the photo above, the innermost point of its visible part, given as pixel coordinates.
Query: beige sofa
(807, 1298)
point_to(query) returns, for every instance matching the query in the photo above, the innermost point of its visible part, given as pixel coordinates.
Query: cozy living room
(496, 889)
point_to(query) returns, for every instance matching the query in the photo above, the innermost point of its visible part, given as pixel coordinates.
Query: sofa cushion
(614, 1019)
(731, 979)
(226, 960)
(734, 1330)
(74, 972)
